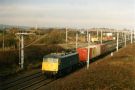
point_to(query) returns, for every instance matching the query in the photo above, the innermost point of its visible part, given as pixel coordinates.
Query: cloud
(68, 12)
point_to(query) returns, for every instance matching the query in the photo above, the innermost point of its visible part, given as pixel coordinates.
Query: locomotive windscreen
(53, 60)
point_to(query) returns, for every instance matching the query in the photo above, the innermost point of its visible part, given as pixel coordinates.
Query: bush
(54, 37)
(8, 58)
(36, 53)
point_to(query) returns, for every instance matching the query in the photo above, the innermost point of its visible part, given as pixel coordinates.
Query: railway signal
(21, 38)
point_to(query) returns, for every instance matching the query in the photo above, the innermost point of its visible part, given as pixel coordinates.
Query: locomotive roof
(59, 55)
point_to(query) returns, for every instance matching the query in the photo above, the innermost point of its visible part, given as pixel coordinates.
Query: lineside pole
(134, 35)
(66, 35)
(117, 42)
(125, 39)
(87, 36)
(21, 36)
(88, 52)
(3, 44)
(131, 36)
(101, 37)
(97, 33)
(19, 52)
(22, 51)
(76, 41)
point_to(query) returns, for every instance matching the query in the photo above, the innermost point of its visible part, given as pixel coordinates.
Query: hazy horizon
(69, 13)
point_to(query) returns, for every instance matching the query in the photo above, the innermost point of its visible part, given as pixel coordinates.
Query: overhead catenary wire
(35, 41)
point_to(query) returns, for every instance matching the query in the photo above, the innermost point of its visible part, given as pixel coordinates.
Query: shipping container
(95, 50)
(98, 50)
(103, 48)
(83, 53)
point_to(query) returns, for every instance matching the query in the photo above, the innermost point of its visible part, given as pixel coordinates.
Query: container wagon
(95, 51)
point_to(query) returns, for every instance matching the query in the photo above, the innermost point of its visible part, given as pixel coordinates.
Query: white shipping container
(98, 48)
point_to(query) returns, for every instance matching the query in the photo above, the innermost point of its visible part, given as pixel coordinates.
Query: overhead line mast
(21, 37)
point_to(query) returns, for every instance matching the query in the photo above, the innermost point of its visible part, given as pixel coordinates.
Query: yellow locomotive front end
(50, 65)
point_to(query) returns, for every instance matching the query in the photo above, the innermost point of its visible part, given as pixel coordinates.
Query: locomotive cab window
(52, 60)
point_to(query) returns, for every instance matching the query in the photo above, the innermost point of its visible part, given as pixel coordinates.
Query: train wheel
(58, 75)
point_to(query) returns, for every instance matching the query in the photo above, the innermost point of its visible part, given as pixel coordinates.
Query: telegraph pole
(21, 36)
(88, 58)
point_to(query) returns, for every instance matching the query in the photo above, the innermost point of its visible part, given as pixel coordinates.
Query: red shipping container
(83, 54)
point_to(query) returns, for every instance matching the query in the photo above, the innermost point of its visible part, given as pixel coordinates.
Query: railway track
(28, 82)
(38, 84)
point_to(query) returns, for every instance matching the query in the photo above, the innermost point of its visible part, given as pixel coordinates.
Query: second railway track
(28, 82)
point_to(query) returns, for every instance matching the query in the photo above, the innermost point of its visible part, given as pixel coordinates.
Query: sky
(117, 14)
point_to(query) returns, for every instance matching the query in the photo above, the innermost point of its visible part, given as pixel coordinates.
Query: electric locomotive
(56, 63)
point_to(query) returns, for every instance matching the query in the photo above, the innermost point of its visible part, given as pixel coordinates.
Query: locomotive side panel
(68, 61)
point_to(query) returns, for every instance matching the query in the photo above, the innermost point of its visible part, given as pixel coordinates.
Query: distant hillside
(11, 26)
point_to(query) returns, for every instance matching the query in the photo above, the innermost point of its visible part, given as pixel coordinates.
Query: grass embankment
(111, 73)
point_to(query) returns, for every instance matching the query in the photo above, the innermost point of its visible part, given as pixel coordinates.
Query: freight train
(56, 63)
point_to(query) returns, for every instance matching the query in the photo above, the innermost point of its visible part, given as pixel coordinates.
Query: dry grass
(110, 73)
